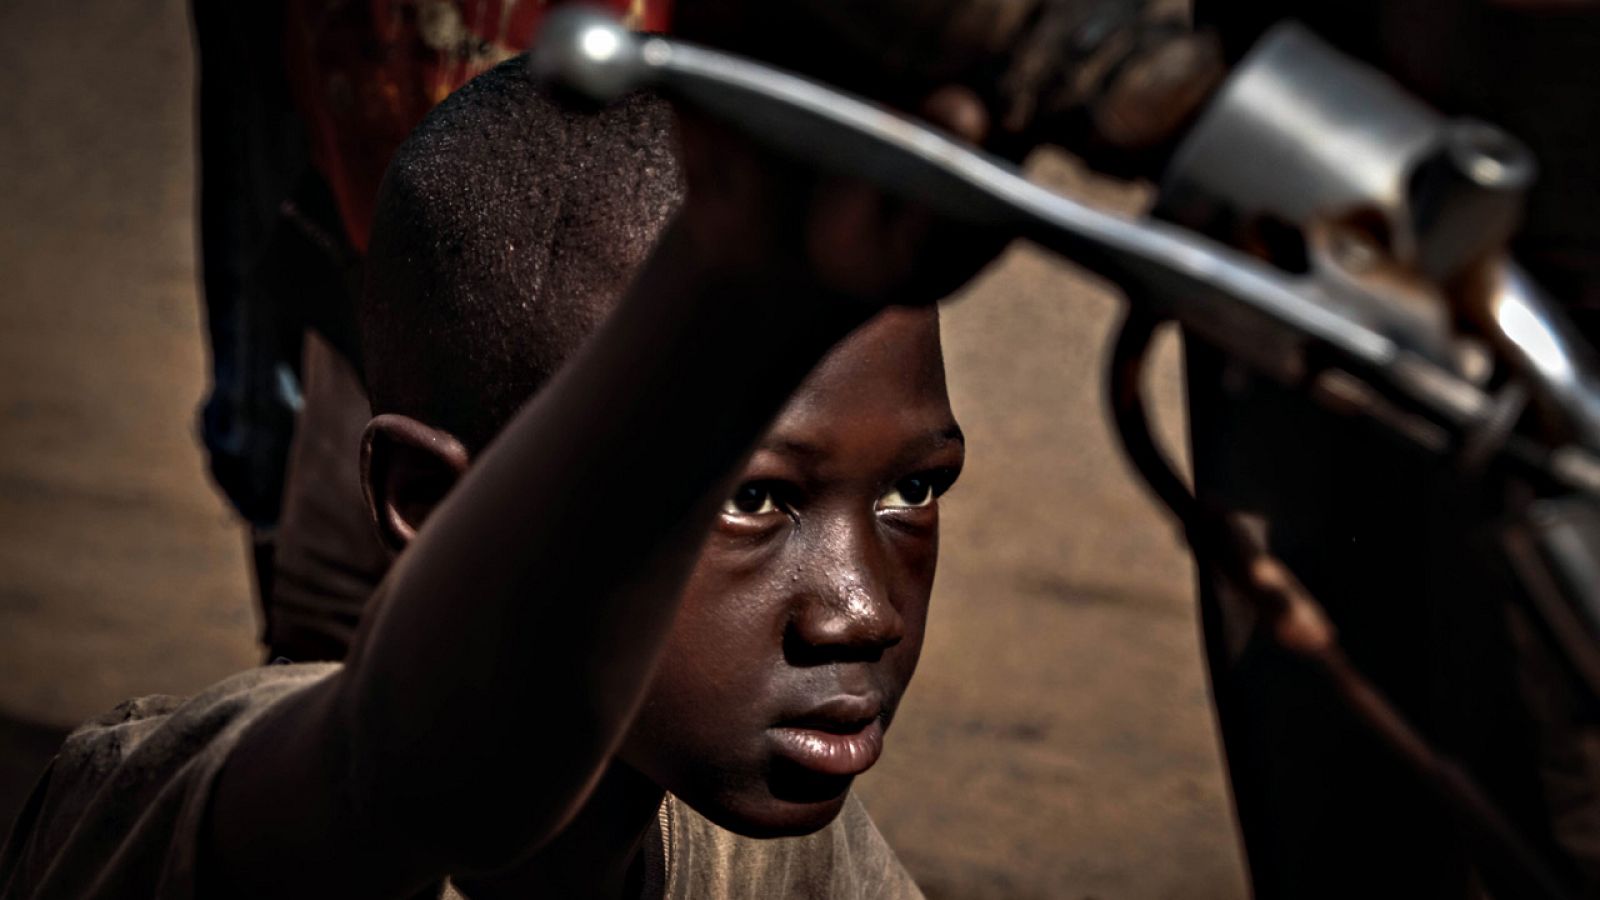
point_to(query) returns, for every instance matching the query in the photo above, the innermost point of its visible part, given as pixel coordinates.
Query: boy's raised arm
(507, 651)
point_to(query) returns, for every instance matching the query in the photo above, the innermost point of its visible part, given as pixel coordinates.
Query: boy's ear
(406, 469)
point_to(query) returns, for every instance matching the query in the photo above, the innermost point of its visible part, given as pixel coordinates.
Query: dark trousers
(277, 267)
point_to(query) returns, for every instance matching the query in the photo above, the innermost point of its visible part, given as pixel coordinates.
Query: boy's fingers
(957, 110)
(864, 244)
(845, 239)
(732, 197)
(868, 245)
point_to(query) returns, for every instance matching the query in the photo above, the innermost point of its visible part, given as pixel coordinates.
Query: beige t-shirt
(119, 814)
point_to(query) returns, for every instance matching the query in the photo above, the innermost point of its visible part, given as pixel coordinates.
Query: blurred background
(1058, 741)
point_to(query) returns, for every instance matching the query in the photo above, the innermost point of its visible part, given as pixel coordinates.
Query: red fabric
(365, 72)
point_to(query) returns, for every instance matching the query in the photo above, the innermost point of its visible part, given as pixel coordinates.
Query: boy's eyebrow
(789, 446)
(786, 446)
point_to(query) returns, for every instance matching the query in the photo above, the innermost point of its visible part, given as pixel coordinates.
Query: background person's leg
(328, 560)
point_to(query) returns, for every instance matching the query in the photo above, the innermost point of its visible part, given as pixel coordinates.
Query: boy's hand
(751, 210)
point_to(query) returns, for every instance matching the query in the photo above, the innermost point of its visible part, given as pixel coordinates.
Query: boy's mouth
(842, 737)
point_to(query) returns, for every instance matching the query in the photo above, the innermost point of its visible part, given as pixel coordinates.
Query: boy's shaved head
(507, 226)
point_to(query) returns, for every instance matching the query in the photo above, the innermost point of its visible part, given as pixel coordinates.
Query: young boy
(650, 616)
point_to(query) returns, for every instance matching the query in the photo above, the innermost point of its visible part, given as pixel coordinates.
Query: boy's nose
(845, 610)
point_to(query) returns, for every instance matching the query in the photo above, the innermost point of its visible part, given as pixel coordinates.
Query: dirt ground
(1058, 742)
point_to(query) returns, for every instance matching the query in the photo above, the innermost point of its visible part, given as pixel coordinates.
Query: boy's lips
(841, 737)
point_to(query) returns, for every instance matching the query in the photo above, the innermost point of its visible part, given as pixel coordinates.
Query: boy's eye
(751, 499)
(911, 493)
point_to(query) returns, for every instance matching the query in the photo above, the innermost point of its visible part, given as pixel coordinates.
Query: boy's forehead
(898, 338)
(893, 362)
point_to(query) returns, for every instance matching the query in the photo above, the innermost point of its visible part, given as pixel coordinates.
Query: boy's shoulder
(119, 810)
(119, 813)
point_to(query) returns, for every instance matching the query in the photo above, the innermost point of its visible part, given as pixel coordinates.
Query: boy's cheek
(701, 735)
(703, 731)
(916, 546)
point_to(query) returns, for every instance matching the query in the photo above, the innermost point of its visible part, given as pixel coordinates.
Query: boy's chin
(788, 808)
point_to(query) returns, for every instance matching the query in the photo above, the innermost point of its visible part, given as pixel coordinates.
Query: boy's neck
(599, 854)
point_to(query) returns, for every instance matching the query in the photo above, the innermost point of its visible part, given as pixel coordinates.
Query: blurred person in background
(1394, 547)
(301, 105)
